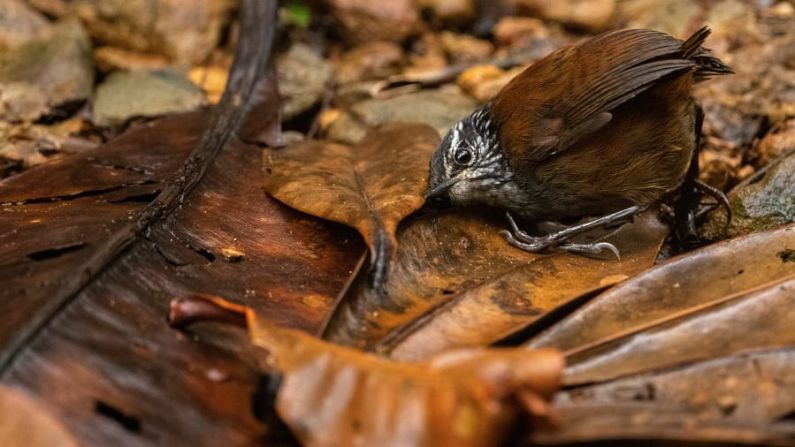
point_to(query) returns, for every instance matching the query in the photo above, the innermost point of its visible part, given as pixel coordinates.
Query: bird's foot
(560, 239)
(536, 244)
(719, 197)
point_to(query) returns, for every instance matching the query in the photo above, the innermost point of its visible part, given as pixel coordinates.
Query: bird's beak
(440, 191)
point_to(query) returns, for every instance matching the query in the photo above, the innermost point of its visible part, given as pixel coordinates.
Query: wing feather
(569, 99)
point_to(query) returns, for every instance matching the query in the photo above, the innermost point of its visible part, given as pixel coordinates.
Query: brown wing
(570, 93)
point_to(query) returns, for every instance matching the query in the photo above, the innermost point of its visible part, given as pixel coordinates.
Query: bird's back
(609, 122)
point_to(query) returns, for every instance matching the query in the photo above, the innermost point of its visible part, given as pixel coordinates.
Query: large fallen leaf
(754, 321)
(458, 283)
(753, 388)
(93, 247)
(730, 296)
(638, 424)
(25, 422)
(735, 400)
(332, 395)
(371, 186)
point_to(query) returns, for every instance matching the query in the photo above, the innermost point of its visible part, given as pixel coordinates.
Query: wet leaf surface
(457, 283)
(371, 186)
(97, 252)
(333, 395)
(731, 296)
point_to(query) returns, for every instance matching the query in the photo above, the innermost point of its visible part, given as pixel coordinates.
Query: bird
(603, 128)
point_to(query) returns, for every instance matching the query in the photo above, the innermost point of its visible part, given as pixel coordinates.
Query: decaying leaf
(751, 388)
(371, 186)
(730, 296)
(457, 283)
(334, 395)
(635, 424)
(742, 399)
(83, 322)
(25, 422)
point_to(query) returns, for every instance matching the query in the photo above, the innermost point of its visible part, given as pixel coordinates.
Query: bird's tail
(707, 64)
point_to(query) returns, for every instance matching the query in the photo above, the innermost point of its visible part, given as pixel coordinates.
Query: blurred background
(74, 73)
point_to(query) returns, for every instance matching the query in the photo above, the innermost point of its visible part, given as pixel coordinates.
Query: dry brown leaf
(458, 283)
(371, 186)
(732, 296)
(25, 422)
(754, 388)
(643, 424)
(334, 395)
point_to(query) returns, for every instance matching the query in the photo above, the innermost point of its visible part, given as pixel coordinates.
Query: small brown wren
(605, 127)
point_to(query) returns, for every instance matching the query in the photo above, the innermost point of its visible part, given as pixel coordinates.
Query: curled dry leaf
(371, 186)
(24, 421)
(732, 296)
(334, 395)
(457, 283)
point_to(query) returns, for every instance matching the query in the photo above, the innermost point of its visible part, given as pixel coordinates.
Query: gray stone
(186, 31)
(303, 78)
(128, 94)
(19, 23)
(438, 108)
(46, 73)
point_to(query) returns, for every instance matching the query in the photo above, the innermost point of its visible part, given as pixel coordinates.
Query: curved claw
(719, 196)
(531, 247)
(592, 249)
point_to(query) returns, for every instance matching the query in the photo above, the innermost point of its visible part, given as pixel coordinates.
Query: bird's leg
(559, 239)
(686, 206)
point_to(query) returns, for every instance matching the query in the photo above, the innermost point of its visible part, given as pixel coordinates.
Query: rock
(449, 12)
(768, 203)
(483, 82)
(19, 23)
(109, 59)
(724, 17)
(439, 108)
(303, 79)
(512, 30)
(185, 31)
(364, 21)
(592, 15)
(462, 48)
(427, 54)
(47, 76)
(674, 17)
(129, 94)
(374, 60)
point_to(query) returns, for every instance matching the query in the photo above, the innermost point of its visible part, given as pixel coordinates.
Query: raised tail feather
(707, 64)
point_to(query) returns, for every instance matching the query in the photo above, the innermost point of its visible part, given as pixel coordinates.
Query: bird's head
(468, 166)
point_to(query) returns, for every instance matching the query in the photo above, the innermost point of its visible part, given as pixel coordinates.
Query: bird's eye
(463, 157)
